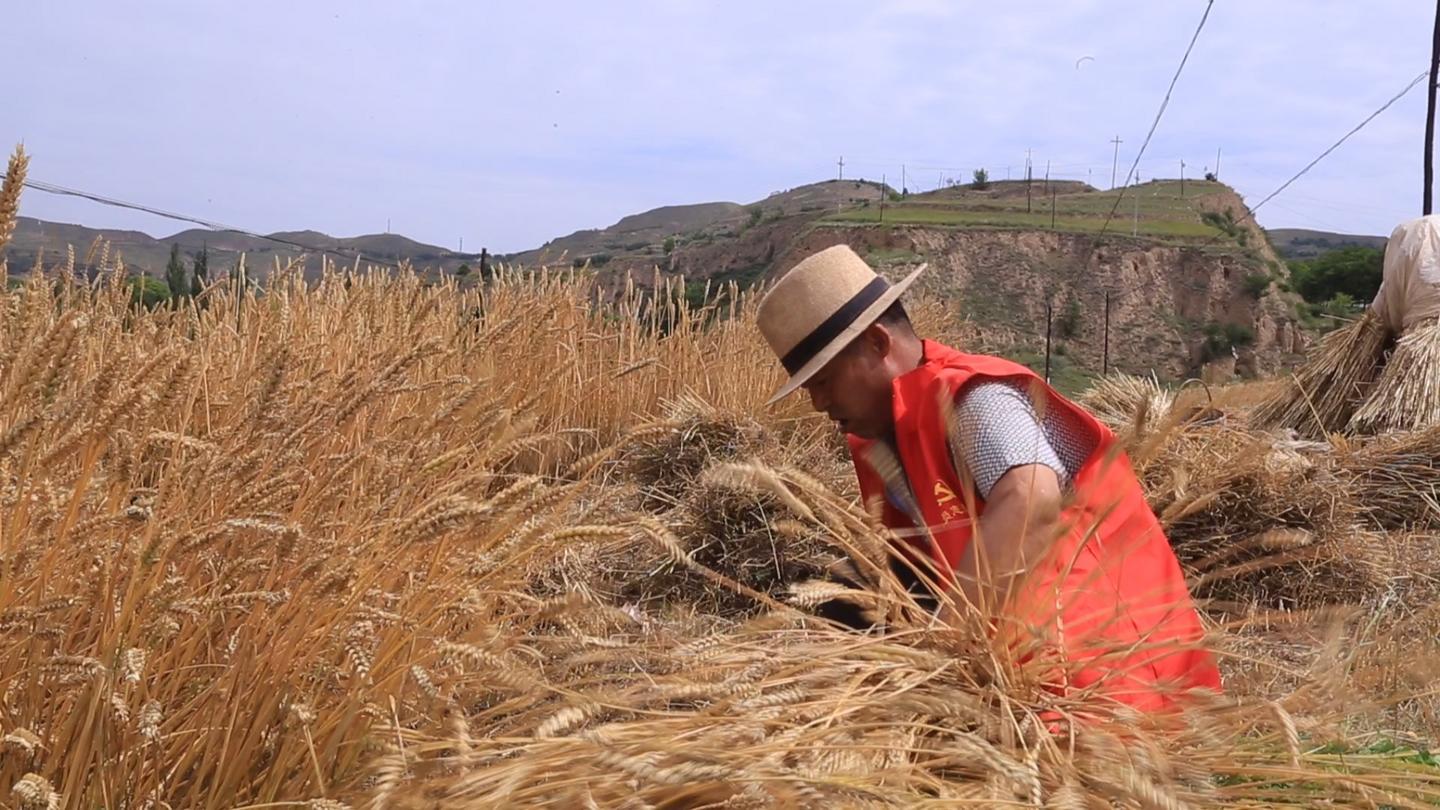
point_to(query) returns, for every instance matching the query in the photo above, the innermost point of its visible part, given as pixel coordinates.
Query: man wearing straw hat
(1008, 503)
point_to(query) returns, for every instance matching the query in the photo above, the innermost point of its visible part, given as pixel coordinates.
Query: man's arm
(1001, 447)
(1021, 519)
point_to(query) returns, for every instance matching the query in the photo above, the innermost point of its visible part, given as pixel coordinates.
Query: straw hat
(819, 307)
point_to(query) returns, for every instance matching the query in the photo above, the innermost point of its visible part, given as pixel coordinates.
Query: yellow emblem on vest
(942, 493)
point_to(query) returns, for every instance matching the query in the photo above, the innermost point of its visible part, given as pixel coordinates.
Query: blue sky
(511, 123)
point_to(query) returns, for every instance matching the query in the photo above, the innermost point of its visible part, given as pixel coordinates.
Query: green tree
(980, 179)
(462, 271)
(1353, 271)
(669, 245)
(148, 292)
(199, 272)
(176, 282)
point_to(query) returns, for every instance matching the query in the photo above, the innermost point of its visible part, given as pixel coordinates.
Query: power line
(51, 188)
(1336, 145)
(1163, 104)
(1250, 214)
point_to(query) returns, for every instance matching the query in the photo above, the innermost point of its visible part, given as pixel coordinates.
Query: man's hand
(1020, 521)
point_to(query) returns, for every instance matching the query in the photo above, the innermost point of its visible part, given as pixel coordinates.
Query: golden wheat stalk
(10, 195)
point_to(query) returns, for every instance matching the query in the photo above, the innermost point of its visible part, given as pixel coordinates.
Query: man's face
(854, 389)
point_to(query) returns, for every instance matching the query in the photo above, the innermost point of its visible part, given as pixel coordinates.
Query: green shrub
(1256, 284)
(1069, 324)
(1342, 305)
(1221, 338)
(669, 246)
(1224, 222)
(597, 260)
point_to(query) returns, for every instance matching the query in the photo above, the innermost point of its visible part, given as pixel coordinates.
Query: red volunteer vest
(1109, 600)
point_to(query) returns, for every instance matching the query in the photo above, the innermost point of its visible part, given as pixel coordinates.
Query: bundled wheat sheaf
(368, 540)
(1323, 395)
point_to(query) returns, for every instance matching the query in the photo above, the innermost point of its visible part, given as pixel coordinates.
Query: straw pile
(1258, 523)
(707, 507)
(1127, 403)
(777, 714)
(1324, 393)
(1397, 478)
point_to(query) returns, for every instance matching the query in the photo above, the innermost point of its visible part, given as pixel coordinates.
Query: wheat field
(375, 541)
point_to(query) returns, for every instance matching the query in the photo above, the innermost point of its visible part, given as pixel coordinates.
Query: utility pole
(842, 168)
(387, 224)
(1047, 341)
(1182, 177)
(1105, 359)
(1217, 163)
(1027, 181)
(462, 245)
(1027, 189)
(1115, 163)
(1430, 114)
(904, 189)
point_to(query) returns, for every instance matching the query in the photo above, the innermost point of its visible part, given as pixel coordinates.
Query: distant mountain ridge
(1003, 256)
(144, 252)
(1299, 244)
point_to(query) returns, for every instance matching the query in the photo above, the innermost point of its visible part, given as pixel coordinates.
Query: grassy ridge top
(1160, 209)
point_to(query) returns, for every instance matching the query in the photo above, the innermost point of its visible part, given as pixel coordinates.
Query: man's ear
(878, 338)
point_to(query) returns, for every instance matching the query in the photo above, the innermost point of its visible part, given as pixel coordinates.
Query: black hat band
(829, 329)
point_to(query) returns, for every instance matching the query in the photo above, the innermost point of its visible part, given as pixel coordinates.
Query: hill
(143, 252)
(644, 234)
(1190, 279)
(1192, 284)
(1299, 243)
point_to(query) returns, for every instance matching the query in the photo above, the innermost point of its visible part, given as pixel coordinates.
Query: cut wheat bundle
(1406, 397)
(1128, 402)
(1396, 479)
(1324, 393)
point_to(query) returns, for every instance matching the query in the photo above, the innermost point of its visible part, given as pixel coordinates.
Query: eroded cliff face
(1173, 309)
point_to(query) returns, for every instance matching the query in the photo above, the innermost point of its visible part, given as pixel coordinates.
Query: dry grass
(374, 543)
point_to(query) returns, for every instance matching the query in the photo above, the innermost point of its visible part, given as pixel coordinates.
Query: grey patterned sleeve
(998, 431)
